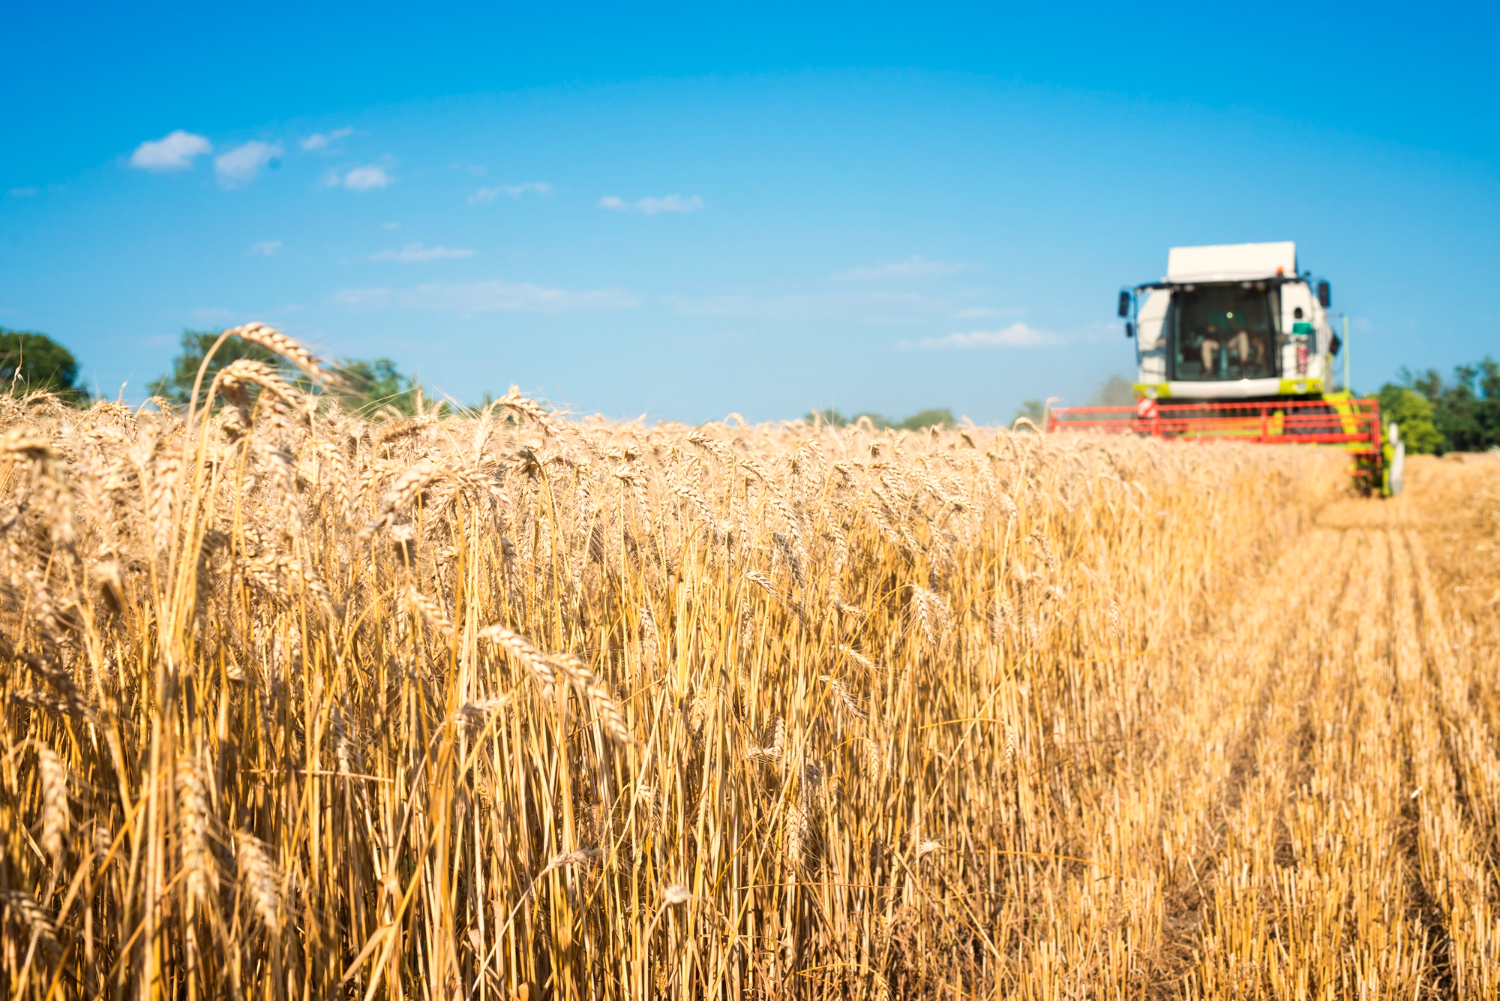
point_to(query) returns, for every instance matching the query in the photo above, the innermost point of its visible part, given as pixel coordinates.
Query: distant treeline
(935, 417)
(1438, 415)
(1116, 391)
(31, 362)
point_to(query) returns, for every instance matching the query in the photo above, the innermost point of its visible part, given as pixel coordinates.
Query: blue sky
(684, 212)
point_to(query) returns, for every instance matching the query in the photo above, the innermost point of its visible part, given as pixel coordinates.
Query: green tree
(1032, 410)
(368, 385)
(1465, 411)
(177, 385)
(1412, 412)
(375, 384)
(31, 361)
(919, 421)
(826, 415)
(1116, 391)
(1468, 409)
(922, 419)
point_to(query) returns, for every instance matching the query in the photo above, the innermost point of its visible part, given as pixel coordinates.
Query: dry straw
(451, 704)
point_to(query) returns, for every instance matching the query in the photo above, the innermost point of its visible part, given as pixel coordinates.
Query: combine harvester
(1235, 344)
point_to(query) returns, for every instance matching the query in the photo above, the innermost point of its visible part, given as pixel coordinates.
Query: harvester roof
(1232, 262)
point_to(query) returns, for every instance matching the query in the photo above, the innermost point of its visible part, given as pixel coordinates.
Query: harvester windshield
(1221, 332)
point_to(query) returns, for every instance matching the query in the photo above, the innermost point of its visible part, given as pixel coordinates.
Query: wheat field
(506, 704)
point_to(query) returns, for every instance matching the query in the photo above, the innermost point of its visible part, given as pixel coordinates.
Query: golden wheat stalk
(1033, 695)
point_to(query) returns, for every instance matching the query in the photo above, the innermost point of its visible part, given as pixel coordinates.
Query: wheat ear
(56, 817)
(258, 878)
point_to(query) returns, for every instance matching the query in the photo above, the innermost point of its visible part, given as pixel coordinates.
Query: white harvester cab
(1232, 322)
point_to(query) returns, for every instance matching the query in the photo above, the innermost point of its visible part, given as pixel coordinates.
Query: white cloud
(322, 140)
(241, 164)
(498, 296)
(982, 312)
(515, 191)
(1017, 335)
(415, 252)
(490, 297)
(390, 225)
(671, 203)
(651, 205)
(24, 192)
(875, 307)
(912, 267)
(265, 248)
(360, 178)
(360, 296)
(173, 151)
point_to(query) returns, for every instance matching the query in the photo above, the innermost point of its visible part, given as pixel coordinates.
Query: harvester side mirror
(1333, 347)
(1124, 303)
(1324, 298)
(1129, 329)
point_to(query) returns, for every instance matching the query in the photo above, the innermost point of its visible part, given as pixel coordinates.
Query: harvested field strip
(1358, 865)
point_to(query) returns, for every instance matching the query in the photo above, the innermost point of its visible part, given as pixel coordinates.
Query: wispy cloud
(912, 267)
(173, 151)
(390, 225)
(477, 297)
(651, 205)
(361, 296)
(240, 165)
(984, 312)
(1017, 335)
(323, 140)
(490, 297)
(229, 317)
(27, 192)
(214, 314)
(367, 178)
(414, 253)
(265, 248)
(513, 191)
(875, 307)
